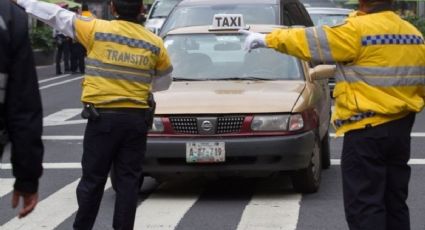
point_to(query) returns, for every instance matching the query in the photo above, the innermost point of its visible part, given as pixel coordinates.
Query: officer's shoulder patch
(84, 18)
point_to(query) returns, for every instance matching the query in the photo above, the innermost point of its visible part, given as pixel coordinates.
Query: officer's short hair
(128, 8)
(84, 6)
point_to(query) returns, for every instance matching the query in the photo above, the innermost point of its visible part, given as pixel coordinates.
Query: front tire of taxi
(308, 180)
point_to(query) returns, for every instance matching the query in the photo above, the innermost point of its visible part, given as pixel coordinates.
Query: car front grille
(229, 124)
(186, 125)
(223, 124)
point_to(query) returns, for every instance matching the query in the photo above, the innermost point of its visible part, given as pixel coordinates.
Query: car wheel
(114, 180)
(308, 180)
(326, 152)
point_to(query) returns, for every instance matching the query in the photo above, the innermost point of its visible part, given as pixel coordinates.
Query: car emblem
(207, 126)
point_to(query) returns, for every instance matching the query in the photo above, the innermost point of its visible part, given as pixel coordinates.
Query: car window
(161, 9)
(296, 16)
(221, 57)
(328, 19)
(203, 15)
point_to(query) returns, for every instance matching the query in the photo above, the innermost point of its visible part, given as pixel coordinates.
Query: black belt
(122, 110)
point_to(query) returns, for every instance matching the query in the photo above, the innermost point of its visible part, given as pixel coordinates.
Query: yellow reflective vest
(122, 60)
(380, 66)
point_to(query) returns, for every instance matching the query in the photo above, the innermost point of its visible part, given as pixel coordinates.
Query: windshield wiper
(186, 79)
(246, 78)
(159, 16)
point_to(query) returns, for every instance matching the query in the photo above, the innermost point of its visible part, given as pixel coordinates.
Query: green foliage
(42, 38)
(418, 22)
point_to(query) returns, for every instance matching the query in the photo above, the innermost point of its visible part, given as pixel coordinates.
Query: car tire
(114, 180)
(326, 152)
(308, 180)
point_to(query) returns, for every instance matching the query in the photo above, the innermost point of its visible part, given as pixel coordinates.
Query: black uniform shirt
(22, 110)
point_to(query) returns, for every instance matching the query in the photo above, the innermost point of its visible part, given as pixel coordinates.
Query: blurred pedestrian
(380, 86)
(63, 50)
(125, 62)
(20, 106)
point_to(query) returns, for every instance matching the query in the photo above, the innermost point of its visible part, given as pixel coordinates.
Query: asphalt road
(189, 203)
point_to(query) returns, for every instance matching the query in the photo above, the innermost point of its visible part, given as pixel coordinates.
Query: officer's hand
(253, 40)
(30, 201)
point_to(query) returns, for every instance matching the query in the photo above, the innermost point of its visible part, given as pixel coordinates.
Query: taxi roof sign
(227, 22)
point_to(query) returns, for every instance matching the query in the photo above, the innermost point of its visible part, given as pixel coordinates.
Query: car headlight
(277, 122)
(157, 125)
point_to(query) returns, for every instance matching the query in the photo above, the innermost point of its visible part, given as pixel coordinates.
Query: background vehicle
(229, 112)
(331, 17)
(158, 13)
(201, 12)
(327, 15)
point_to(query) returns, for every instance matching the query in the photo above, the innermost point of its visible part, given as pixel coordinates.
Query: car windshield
(162, 8)
(328, 19)
(200, 57)
(203, 15)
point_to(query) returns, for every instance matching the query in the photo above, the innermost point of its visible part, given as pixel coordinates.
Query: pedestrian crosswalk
(51, 211)
(161, 209)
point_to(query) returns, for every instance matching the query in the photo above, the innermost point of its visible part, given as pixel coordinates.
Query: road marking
(76, 165)
(61, 82)
(62, 138)
(413, 134)
(51, 211)
(61, 117)
(411, 162)
(271, 212)
(80, 137)
(54, 78)
(163, 210)
(6, 186)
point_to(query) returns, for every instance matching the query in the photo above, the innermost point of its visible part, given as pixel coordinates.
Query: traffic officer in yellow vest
(380, 86)
(124, 63)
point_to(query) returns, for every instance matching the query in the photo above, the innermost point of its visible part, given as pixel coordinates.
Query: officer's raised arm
(162, 78)
(52, 14)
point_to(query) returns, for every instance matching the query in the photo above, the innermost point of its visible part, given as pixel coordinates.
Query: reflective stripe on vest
(382, 76)
(356, 117)
(392, 39)
(98, 69)
(3, 82)
(164, 72)
(108, 37)
(318, 45)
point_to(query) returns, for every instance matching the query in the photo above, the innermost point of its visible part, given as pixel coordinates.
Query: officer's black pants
(118, 139)
(376, 176)
(63, 50)
(78, 54)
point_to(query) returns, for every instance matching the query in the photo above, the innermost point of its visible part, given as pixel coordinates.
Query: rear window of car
(161, 9)
(221, 57)
(328, 19)
(184, 16)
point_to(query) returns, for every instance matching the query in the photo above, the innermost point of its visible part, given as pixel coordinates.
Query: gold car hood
(212, 97)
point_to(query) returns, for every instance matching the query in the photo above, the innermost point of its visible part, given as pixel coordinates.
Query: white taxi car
(229, 112)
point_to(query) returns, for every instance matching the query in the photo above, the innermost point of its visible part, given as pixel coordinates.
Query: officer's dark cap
(128, 8)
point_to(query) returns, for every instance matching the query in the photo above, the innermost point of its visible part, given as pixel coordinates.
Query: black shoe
(58, 73)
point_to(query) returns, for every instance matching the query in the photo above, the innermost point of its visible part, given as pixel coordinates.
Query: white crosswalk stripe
(50, 212)
(271, 212)
(6, 186)
(162, 211)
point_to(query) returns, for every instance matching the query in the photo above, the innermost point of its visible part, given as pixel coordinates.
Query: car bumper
(243, 154)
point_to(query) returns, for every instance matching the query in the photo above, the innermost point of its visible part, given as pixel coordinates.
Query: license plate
(205, 152)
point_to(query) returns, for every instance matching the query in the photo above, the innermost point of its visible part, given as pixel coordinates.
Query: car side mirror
(322, 72)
